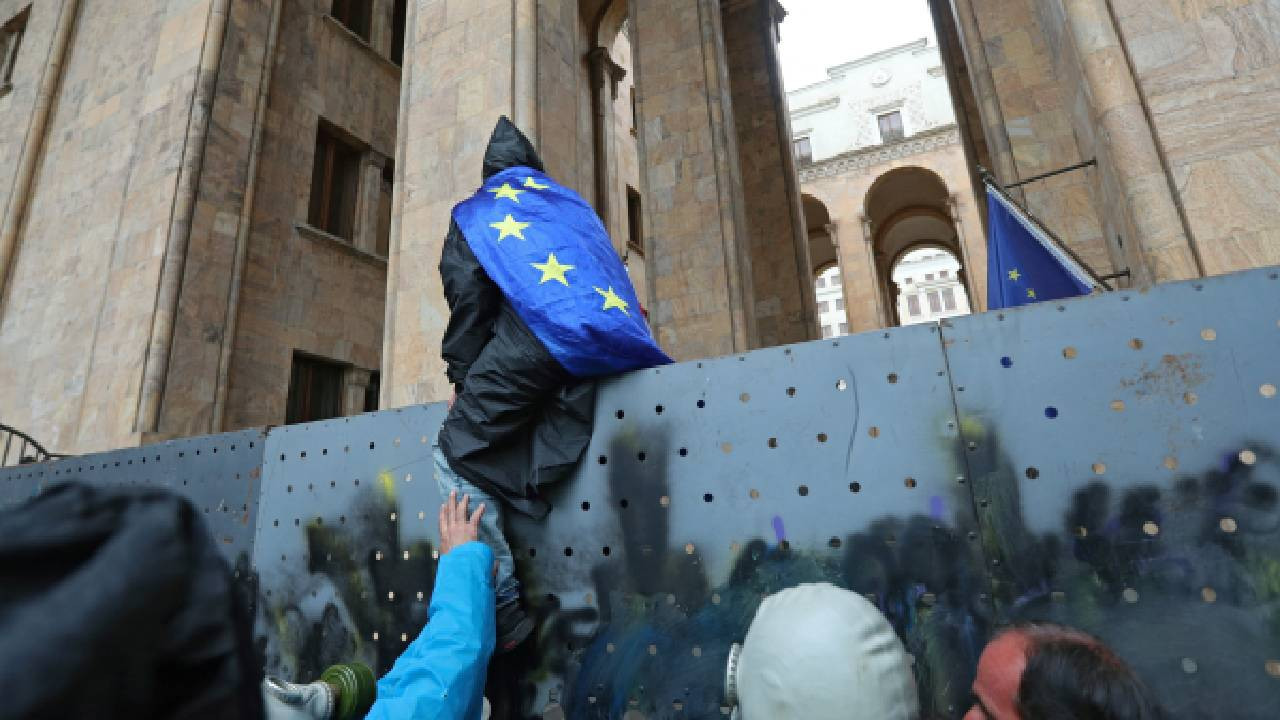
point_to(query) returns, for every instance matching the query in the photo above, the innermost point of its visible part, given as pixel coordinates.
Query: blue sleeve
(442, 672)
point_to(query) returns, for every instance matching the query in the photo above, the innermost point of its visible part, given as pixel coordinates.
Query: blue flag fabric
(1024, 266)
(549, 253)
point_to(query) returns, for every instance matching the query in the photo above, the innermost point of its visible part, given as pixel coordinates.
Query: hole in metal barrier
(755, 494)
(1247, 457)
(1051, 412)
(623, 503)
(1150, 528)
(855, 487)
(641, 456)
(658, 409)
(1099, 468)
(606, 551)
(834, 543)
(841, 384)
(1117, 405)
(1136, 343)
(620, 414)
(1032, 473)
(1130, 595)
(586, 505)
(773, 442)
(892, 378)
(1208, 334)
(1190, 398)
(745, 397)
(822, 437)
(568, 552)
(803, 490)
(873, 431)
(1227, 525)
(909, 482)
(1069, 353)
(707, 497)
(684, 452)
(533, 552)
(702, 403)
(1006, 362)
(688, 550)
(1267, 390)
(603, 460)
(791, 392)
(664, 501)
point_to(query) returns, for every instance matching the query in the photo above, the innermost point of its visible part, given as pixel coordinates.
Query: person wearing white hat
(820, 652)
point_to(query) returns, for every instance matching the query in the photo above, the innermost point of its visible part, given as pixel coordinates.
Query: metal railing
(19, 448)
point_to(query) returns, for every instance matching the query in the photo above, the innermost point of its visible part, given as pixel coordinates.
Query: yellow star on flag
(1031, 293)
(553, 270)
(509, 226)
(611, 300)
(534, 184)
(1014, 275)
(506, 191)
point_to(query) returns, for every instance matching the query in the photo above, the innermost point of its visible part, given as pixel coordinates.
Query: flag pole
(991, 184)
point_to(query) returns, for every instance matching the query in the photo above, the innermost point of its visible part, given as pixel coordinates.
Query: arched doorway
(928, 285)
(907, 209)
(828, 281)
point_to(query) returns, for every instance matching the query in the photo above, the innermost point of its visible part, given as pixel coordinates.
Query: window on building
(890, 126)
(827, 331)
(928, 277)
(935, 303)
(844, 328)
(906, 280)
(356, 15)
(944, 273)
(398, 13)
(635, 221)
(803, 150)
(913, 305)
(335, 181)
(835, 280)
(824, 306)
(839, 304)
(821, 282)
(315, 390)
(948, 299)
(372, 391)
(10, 43)
(386, 193)
(635, 117)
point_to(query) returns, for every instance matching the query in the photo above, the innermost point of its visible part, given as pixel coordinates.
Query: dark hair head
(1071, 675)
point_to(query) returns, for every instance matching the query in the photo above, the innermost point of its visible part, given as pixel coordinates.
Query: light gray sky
(818, 34)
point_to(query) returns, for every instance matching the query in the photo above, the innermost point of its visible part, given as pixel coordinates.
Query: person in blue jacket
(441, 674)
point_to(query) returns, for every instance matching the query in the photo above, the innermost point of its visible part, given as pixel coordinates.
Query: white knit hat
(819, 652)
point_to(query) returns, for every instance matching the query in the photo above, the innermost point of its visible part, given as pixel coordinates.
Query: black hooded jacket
(520, 420)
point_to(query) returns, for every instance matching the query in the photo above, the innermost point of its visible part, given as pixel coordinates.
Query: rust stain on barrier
(1171, 378)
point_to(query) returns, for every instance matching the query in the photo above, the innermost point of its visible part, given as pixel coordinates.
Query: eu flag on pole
(1024, 265)
(544, 246)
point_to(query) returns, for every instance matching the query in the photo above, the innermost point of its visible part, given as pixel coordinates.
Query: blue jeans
(508, 588)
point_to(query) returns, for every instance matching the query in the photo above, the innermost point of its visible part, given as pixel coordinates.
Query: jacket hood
(508, 147)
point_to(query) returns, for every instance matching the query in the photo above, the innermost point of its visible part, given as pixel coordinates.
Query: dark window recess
(315, 390)
(844, 328)
(383, 240)
(890, 126)
(10, 43)
(335, 180)
(935, 302)
(635, 219)
(948, 299)
(372, 391)
(803, 150)
(913, 305)
(398, 14)
(635, 117)
(357, 15)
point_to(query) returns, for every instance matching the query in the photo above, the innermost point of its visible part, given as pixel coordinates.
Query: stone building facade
(167, 267)
(883, 172)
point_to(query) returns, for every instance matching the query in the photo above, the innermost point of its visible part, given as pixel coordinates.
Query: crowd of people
(541, 306)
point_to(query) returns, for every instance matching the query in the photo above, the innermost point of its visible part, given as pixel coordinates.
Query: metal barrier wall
(1106, 462)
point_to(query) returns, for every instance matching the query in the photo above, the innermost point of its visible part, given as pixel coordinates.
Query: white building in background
(929, 287)
(874, 100)
(831, 315)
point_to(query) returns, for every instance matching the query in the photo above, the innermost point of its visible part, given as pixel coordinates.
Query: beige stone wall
(1038, 109)
(303, 291)
(458, 79)
(1210, 73)
(17, 104)
(781, 284)
(626, 151)
(699, 278)
(79, 303)
(844, 194)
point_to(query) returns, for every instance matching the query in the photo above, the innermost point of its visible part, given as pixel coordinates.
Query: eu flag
(1023, 264)
(548, 251)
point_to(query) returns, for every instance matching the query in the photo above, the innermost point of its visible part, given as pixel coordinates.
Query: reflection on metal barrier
(1118, 452)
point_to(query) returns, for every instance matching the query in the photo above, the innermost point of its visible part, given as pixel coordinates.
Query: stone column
(782, 297)
(366, 231)
(993, 127)
(870, 243)
(605, 76)
(969, 258)
(380, 26)
(1133, 174)
(694, 219)
(459, 75)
